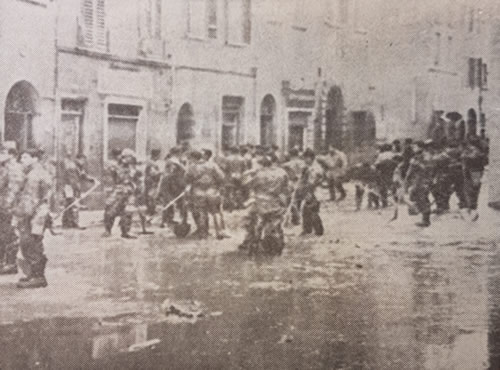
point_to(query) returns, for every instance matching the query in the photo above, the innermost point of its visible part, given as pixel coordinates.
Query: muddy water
(391, 306)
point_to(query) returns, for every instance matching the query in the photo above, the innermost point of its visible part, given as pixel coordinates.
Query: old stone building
(91, 75)
(430, 59)
(27, 57)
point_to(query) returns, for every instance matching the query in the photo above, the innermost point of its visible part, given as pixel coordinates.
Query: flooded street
(368, 295)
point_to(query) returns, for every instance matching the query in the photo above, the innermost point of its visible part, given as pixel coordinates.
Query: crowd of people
(274, 190)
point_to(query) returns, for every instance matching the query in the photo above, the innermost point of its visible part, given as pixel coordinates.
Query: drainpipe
(57, 102)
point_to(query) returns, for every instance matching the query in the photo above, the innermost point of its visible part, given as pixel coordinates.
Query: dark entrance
(471, 122)
(185, 124)
(267, 119)
(20, 109)
(334, 118)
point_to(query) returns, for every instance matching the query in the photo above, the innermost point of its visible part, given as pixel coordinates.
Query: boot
(426, 220)
(128, 236)
(37, 279)
(33, 283)
(8, 269)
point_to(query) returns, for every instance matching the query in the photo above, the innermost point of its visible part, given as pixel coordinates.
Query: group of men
(272, 189)
(415, 172)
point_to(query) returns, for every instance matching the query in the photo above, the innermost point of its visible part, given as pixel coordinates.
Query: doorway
(334, 118)
(185, 124)
(20, 110)
(267, 121)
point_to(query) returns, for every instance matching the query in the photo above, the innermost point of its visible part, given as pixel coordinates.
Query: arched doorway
(185, 124)
(267, 121)
(20, 109)
(471, 122)
(334, 118)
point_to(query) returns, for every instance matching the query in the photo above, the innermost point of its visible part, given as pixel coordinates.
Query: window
(93, 24)
(197, 18)
(151, 14)
(122, 126)
(212, 19)
(238, 17)
(300, 16)
(343, 11)
(72, 126)
(472, 16)
(232, 112)
(356, 15)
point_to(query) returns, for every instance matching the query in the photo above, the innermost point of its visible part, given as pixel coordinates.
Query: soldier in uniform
(385, 165)
(11, 182)
(335, 165)
(442, 180)
(32, 212)
(456, 175)
(171, 186)
(294, 168)
(473, 163)
(235, 167)
(204, 179)
(122, 197)
(419, 179)
(269, 186)
(74, 173)
(309, 181)
(152, 175)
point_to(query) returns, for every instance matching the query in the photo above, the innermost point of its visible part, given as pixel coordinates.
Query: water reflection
(403, 309)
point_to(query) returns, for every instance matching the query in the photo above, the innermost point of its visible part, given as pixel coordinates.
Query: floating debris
(150, 344)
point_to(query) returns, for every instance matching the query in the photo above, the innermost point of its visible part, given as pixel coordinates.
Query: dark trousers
(360, 192)
(420, 195)
(472, 190)
(311, 219)
(32, 248)
(117, 208)
(441, 191)
(457, 186)
(8, 239)
(334, 185)
(71, 216)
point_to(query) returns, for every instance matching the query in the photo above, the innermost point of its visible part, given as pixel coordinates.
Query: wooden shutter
(157, 19)
(87, 22)
(100, 29)
(247, 21)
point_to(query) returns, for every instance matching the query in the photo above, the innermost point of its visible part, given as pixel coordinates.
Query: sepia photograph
(250, 184)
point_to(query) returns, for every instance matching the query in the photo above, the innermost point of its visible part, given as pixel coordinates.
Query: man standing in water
(31, 211)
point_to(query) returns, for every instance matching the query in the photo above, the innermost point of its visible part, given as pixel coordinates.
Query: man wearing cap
(473, 163)
(152, 176)
(335, 165)
(11, 182)
(32, 211)
(205, 179)
(294, 168)
(172, 185)
(74, 173)
(269, 186)
(310, 179)
(235, 167)
(118, 203)
(419, 179)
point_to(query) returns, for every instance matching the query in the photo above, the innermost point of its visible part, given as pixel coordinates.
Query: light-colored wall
(27, 53)
(408, 84)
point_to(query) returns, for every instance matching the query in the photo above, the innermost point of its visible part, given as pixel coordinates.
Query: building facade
(430, 62)
(87, 76)
(27, 55)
